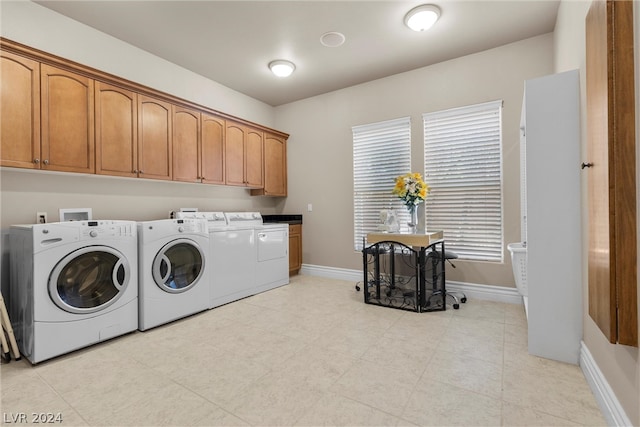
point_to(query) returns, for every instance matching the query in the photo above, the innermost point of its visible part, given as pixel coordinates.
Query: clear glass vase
(413, 218)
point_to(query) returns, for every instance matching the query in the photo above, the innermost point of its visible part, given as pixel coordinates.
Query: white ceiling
(231, 42)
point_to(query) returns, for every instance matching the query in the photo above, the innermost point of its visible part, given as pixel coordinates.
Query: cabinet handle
(36, 161)
(46, 162)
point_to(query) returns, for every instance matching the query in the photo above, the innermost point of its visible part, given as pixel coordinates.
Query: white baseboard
(331, 272)
(486, 292)
(607, 400)
(471, 290)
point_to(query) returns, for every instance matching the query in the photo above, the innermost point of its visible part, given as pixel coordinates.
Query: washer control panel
(106, 229)
(190, 225)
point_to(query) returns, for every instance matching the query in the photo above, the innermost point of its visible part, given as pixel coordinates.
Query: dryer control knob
(93, 233)
(181, 229)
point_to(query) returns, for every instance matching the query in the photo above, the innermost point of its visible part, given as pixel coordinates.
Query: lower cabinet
(295, 248)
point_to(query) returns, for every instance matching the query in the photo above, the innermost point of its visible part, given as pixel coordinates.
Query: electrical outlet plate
(41, 218)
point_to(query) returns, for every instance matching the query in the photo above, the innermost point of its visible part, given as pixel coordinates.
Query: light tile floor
(310, 353)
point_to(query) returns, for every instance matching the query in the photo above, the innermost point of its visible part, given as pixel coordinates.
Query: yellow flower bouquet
(412, 190)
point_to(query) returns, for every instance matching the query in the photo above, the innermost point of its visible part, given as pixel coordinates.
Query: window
(463, 167)
(381, 152)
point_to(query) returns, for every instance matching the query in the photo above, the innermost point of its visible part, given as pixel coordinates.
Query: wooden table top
(420, 238)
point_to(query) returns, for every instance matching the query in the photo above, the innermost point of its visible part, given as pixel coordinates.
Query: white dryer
(173, 270)
(73, 284)
(272, 244)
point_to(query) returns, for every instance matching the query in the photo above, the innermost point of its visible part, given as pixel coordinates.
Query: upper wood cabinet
(243, 155)
(116, 131)
(212, 149)
(19, 111)
(186, 145)
(254, 157)
(67, 130)
(275, 166)
(154, 138)
(198, 146)
(63, 116)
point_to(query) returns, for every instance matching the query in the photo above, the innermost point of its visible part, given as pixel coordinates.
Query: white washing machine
(73, 284)
(234, 253)
(221, 288)
(173, 270)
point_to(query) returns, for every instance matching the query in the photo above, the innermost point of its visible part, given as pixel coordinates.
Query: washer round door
(178, 266)
(89, 279)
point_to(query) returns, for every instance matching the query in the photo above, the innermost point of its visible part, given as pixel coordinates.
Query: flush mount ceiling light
(282, 68)
(332, 39)
(422, 18)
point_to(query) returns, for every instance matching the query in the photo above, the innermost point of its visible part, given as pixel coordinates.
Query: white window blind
(381, 152)
(463, 167)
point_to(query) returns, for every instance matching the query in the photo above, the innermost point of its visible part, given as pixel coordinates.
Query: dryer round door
(89, 279)
(178, 266)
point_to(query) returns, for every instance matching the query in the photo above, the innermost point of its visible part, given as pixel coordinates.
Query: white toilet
(519, 264)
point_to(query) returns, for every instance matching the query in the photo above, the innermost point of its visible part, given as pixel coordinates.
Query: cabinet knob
(141, 171)
(46, 162)
(36, 161)
(134, 171)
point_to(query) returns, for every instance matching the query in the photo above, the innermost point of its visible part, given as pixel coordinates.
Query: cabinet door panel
(186, 143)
(116, 131)
(611, 143)
(254, 158)
(154, 138)
(275, 166)
(67, 121)
(234, 154)
(212, 149)
(295, 248)
(19, 111)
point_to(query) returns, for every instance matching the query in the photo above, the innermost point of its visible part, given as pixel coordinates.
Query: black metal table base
(405, 278)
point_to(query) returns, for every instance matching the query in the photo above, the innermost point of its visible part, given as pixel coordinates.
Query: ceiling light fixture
(422, 18)
(282, 68)
(332, 39)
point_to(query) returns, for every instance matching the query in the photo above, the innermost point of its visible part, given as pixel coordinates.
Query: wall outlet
(41, 218)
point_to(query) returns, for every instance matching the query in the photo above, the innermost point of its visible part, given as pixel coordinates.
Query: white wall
(320, 149)
(619, 364)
